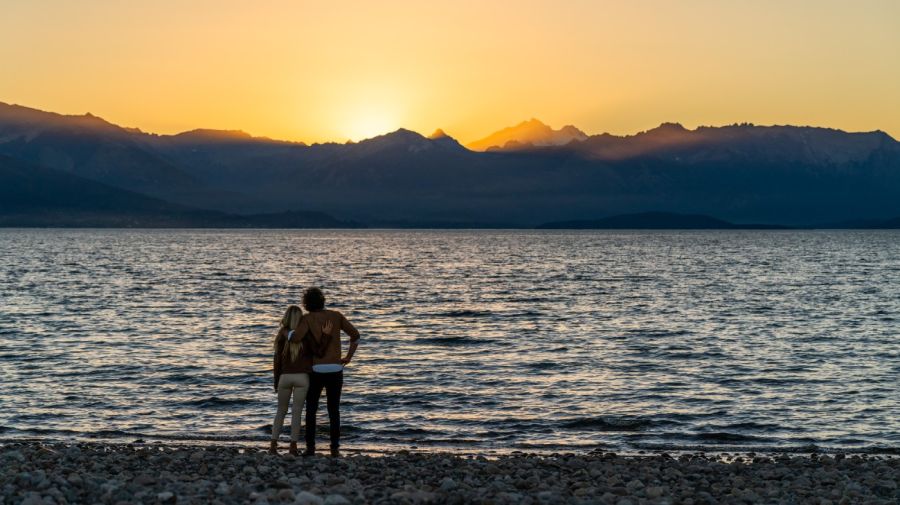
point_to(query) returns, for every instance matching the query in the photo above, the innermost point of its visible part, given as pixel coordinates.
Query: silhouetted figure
(292, 365)
(328, 365)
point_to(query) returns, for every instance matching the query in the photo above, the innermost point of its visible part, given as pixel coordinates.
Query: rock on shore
(44, 473)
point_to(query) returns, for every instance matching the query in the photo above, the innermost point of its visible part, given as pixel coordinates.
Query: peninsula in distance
(82, 171)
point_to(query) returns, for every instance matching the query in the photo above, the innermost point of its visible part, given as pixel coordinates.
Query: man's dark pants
(332, 383)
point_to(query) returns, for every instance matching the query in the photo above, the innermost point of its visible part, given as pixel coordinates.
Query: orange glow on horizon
(318, 72)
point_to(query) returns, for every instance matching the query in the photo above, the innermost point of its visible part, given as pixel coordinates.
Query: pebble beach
(52, 473)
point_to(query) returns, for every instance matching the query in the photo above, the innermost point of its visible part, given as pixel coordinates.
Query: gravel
(46, 473)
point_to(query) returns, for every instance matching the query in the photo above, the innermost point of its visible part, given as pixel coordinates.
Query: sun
(367, 125)
(369, 119)
(370, 106)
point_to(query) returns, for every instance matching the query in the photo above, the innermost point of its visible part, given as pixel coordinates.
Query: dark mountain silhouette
(782, 175)
(655, 221)
(780, 144)
(32, 195)
(866, 224)
(89, 147)
(741, 173)
(292, 219)
(886, 224)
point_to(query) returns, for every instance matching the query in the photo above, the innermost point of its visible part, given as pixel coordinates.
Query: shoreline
(538, 449)
(35, 472)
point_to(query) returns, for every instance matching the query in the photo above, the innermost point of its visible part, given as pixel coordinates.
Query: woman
(292, 366)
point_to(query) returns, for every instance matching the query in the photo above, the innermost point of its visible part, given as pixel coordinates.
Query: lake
(473, 340)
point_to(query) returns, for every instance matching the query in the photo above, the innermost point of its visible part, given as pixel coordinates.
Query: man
(328, 365)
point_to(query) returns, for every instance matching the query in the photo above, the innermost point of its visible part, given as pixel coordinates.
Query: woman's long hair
(289, 322)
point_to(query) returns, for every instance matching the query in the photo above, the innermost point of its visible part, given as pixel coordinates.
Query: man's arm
(350, 330)
(350, 352)
(302, 327)
(313, 345)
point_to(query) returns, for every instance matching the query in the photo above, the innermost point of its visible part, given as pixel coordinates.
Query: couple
(307, 360)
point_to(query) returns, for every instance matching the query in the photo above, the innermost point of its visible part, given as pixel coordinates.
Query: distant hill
(781, 144)
(527, 134)
(655, 221)
(741, 173)
(292, 219)
(36, 196)
(208, 136)
(865, 224)
(88, 147)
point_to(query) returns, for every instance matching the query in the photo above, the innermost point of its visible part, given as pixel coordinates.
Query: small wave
(403, 432)
(215, 401)
(881, 450)
(751, 425)
(762, 448)
(321, 428)
(725, 436)
(687, 355)
(454, 341)
(650, 333)
(110, 434)
(608, 424)
(465, 313)
(542, 365)
(772, 381)
(182, 377)
(63, 432)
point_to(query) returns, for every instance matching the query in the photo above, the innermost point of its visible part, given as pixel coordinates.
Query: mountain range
(38, 196)
(82, 170)
(528, 134)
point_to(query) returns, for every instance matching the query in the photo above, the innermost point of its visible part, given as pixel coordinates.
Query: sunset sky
(318, 71)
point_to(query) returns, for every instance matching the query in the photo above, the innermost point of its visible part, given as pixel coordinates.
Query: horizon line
(464, 144)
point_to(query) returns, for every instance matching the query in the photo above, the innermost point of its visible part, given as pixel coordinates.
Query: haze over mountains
(525, 175)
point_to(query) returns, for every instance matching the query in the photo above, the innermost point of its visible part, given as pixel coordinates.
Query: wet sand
(37, 473)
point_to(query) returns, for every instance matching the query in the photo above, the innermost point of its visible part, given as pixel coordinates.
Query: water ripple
(660, 340)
